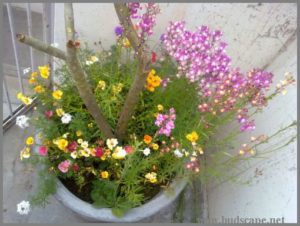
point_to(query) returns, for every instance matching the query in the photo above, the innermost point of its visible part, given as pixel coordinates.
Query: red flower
(153, 58)
(49, 114)
(99, 152)
(128, 149)
(75, 167)
(72, 146)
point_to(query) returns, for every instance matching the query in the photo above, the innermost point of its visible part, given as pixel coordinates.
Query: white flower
(65, 135)
(178, 153)
(26, 70)
(146, 151)
(66, 118)
(85, 144)
(89, 62)
(22, 121)
(119, 153)
(55, 44)
(74, 154)
(111, 143)
(23, 207)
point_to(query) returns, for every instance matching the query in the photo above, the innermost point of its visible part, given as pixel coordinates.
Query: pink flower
(72, 146)
(49, 114)
(43, 150)
(128, 149)
(64, 166)
(99, 152)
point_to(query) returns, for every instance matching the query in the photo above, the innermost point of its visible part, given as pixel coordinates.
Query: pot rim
(88, 212)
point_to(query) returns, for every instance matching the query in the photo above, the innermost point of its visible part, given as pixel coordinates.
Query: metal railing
(48, 36)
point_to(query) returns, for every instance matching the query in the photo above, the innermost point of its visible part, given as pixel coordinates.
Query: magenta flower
(99, 152)
(165, 122)
(64, 166)
(146, 20)
(128, 149)
(43, 150)
(49, 114)
(72, 146)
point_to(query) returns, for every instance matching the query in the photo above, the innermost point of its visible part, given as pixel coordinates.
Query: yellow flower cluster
(25, 152)
(32, 78)
(153, 81)
(26, 100)
(116, 89)
(61, 144)
(193, 136)
(101, 85)
(39, 89)
(104, 174)
(44, 71)
(151, 177)
(126, 43)
(57, 94)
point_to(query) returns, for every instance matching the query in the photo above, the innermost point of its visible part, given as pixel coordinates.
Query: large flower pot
(163, 199)
(92, 214)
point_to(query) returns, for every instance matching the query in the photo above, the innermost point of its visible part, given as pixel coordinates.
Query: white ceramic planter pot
(89, 213)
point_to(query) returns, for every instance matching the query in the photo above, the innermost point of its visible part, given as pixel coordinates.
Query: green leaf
(117, 212)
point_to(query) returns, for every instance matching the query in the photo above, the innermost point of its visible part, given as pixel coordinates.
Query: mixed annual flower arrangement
(138, 121)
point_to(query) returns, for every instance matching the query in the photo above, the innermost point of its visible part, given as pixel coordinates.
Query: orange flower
(147, 139)
(150, 87)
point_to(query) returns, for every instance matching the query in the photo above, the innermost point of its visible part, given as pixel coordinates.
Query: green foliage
(46, 187)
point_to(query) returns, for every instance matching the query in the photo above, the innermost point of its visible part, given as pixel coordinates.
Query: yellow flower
(126, 43)
(94, 58)
(160, 107)
(59, 112)
(79, 141)
(151, 177)
(101, 85)
(39, 89)
(117, 88)
(30, 141)
(31, 80)
(90, 125)
(193, 137)
(156, 81)
(85, 152)
(34, 74)
(20, 96)
(24, 99)
(150, 87)
(78, 133)
(57, 94)
(44, 71)
(62, 144)
(104, 174)
(25, 153)
(155, 147)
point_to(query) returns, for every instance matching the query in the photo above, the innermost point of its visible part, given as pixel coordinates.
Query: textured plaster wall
(259, 35)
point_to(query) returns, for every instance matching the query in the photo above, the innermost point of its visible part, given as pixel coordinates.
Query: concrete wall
(259, 35)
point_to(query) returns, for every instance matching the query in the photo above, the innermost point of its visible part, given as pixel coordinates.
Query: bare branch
(144, 60)
(124, 17)
(79, 75)
(41, 46)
